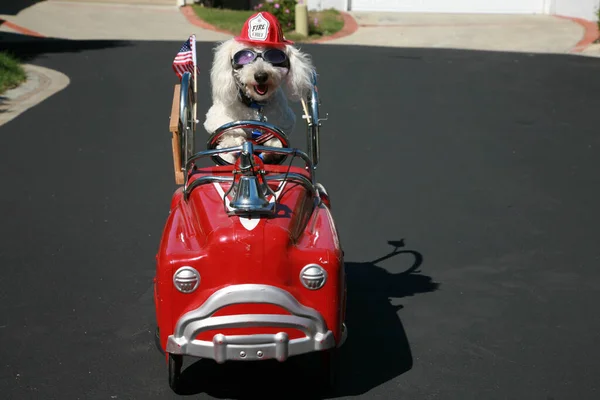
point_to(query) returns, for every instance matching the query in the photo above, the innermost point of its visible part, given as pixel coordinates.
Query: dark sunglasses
(275, 57)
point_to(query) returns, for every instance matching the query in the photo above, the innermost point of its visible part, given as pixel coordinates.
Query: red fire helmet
(264, 29)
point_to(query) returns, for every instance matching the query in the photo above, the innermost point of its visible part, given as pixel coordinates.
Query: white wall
(326, 4)
(451, 6)
(571, 8)
(576, 8)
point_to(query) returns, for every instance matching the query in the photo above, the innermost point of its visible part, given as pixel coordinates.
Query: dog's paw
(270, 158)
(273, 143)
(231, 158)
(231, 141)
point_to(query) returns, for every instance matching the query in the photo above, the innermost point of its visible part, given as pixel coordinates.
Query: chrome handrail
(257, 149)
(202, 181)
(310, 184)
(291, 176)
(186, 118)
(184, 97)
(313, 123)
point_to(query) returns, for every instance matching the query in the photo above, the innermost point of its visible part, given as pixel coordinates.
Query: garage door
(450, 6)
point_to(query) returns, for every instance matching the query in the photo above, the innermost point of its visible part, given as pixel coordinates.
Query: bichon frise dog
(257, 71)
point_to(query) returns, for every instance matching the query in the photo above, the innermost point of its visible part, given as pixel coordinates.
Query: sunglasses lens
(244, 57)
(275, 56)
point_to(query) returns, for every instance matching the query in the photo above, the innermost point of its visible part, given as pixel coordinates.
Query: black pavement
(465, 186)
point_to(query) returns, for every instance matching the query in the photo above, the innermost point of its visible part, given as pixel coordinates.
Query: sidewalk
(109, 19)
(163, 20)
(592, 51)
(521, 33)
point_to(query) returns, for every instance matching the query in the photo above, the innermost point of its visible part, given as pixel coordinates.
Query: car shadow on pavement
(13, 7)
(26, 47)
(376, 351)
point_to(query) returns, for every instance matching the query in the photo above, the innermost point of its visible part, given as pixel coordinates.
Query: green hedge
(11, 72)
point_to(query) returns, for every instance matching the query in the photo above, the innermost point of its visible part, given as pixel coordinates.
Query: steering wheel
(261, 132)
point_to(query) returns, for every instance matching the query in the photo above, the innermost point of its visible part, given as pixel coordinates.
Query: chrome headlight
(313, 276)
(186, 279)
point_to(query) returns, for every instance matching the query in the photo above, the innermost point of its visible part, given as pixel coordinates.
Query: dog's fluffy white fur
(283, 85)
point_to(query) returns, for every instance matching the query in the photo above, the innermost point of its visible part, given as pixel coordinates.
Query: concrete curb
(590, 35)
(19, 29)
(41, 83)
(350, 25)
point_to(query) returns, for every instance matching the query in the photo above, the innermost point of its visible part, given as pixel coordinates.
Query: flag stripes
(185, 60)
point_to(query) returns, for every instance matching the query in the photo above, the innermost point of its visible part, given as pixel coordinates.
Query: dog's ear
(299, 79)
(224, 89)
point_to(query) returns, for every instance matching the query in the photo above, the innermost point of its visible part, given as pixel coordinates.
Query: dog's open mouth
(261, 89)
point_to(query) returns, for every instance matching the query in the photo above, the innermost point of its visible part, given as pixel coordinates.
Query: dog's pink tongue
(261, 89)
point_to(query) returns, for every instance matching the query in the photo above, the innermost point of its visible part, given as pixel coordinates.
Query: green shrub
(320, 23)
(11, 72)
(283, 10)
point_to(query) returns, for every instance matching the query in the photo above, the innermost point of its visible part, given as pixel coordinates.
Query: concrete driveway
(124, 20)
(162, 20)
(523, 33)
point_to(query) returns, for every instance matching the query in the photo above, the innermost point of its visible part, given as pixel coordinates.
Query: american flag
(185, 60)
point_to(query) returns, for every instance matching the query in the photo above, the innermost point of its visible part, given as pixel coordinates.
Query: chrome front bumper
(250, 347)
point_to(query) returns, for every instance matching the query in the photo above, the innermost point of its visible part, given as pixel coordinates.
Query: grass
(11, 72)
(598, 22)
(330, 21)
(229, 20)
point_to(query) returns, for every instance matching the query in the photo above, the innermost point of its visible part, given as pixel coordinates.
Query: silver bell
(249, 197)
(249, 194)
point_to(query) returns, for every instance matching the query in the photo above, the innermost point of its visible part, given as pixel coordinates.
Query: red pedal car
(250, 266)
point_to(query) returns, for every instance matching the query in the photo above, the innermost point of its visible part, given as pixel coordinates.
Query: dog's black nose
(261, 77)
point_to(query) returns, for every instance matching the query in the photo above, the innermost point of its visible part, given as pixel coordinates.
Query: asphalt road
(481, 169)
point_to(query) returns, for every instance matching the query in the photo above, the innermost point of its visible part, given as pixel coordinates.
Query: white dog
(258, 70)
